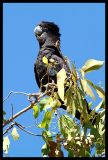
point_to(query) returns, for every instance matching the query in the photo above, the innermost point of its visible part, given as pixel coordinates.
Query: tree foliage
(79, 138)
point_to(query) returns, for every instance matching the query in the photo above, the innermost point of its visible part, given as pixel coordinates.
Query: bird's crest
(51, 26)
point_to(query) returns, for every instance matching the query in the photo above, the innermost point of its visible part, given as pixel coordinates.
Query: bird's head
(47, 33)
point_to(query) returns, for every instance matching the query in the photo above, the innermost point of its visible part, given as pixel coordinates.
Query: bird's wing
(42, 70)
(59, 58)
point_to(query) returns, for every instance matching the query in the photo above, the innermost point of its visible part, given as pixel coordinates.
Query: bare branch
(22, 128)
(8, 128)
(15, 93)
(7, 96)
(23, 110)
(37, 97)
(17, 114)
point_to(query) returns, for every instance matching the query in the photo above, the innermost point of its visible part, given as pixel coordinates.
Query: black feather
(51, 27)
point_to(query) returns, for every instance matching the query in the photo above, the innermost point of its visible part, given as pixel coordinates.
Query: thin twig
(7, 96)
(31, 126)
(15, 93)
(23, 110)
(17, 114)
(8, 128)
(22, 128)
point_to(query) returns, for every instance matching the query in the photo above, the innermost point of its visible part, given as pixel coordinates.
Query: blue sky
(82, 27)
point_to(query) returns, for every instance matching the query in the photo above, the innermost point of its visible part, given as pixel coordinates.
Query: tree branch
(8, 128)
(15, 93)
(23, 110)
(18, 114)
(23, 128)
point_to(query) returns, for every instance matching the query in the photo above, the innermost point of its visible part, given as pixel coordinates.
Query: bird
(48, 37)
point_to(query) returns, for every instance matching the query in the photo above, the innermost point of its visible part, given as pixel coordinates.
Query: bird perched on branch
(48, 36)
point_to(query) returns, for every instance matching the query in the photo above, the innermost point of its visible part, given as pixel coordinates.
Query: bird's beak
(38, 30)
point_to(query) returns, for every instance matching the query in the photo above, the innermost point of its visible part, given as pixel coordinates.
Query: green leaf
(100, 105)
(6, 144)
(49, 102)
(98, 89)
(44, 102)
(70, 102)
(61, 76)
(82, 152)
(72, 108)
(79, 100)
(53, 104)
(91, 65)
(46, 135)
(70, 153)
(82, 73)
(87, 154)
(100, 120)
(101, 128)
(46, 120)
(15, 134)
(45, 60)
(35, 111)
(94, 132)
(69, 137)
(87, 89)
(74, 71)
(100, 92)
(45, 150)
(102, 115)
(67, 126)
(89, 104)
(68, 96)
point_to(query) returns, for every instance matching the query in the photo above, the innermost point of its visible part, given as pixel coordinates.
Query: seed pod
(65, 143)
(90, 142)
(92, 136)
(77, 138)
(82, 138)
(78, 143)
(51, 60)
(86, 141)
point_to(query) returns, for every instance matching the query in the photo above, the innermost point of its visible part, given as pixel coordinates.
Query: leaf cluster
(78, 138)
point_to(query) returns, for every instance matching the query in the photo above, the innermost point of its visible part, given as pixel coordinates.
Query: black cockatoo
(48, 36)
